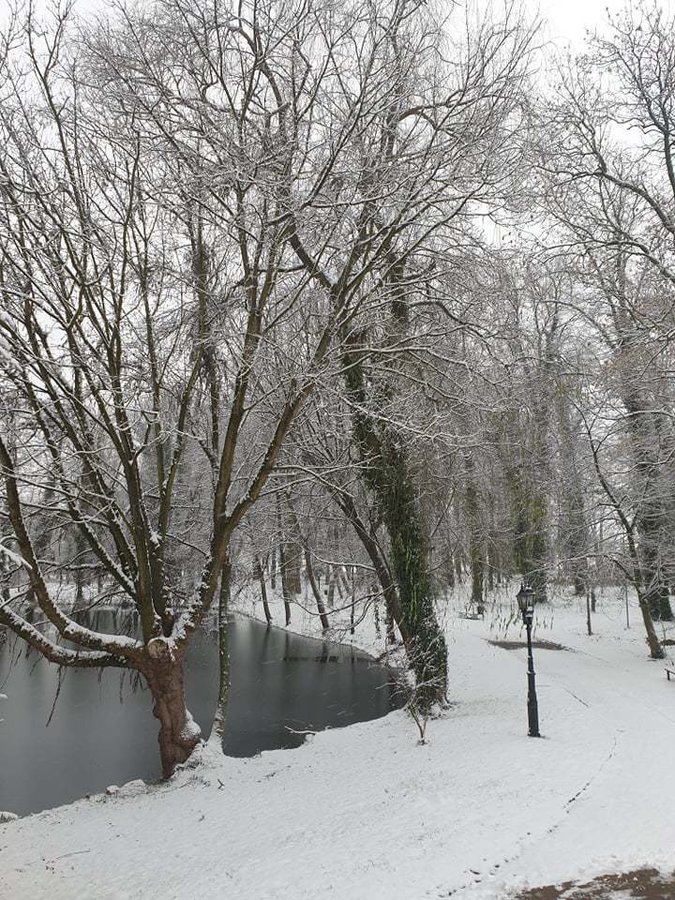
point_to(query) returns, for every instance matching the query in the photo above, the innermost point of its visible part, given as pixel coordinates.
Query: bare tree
(197, 209)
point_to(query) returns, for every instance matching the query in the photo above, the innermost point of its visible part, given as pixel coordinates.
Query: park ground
(479, 812)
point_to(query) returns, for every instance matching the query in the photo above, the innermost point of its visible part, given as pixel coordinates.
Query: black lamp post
(525, 598)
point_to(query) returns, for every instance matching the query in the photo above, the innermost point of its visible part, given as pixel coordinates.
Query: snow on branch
(14, 557)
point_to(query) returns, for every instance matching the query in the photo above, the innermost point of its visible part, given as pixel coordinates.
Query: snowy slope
(365, 812)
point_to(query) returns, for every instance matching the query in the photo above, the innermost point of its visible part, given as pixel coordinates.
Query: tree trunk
(179, 734)
(292, 567)
(449, 569)
(259, 574)
(656, 588)
(530, 548)
(459, 570)
(325, 624)
(393, 612)
(223, 653)
(575, 532)
(5, 592)
(655, 649)
(273, 569)
(283, 563)
(423, 638)
(284, 585)
(476, 555)
(476, 575)
(387, 472)
(644, 427)
(330, 599)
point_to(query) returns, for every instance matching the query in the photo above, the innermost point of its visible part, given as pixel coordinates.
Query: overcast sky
(566, 20)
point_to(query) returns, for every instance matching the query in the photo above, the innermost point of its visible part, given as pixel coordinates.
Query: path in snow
(622, 813)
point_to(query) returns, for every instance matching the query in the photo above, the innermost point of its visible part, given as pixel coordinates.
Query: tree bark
(476, 550)
(655, 649)
(284, 585)
(573, 513)
(330, 598)
(259, 574)
(325, 624)
(273, 569)
(223, 653)
(283, 562)
(179, 734)
(651, 520)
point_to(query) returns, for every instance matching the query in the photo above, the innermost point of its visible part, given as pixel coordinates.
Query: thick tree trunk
(655, 649)
(423, 638)
(293, 567)
(656, 587)
(179, 734)
(644, 427)
(388, 473)
(530, 549)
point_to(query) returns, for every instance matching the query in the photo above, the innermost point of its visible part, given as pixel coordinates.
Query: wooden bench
(669, 672)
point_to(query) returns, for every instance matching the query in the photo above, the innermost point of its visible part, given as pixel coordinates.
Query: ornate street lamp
(525, 598)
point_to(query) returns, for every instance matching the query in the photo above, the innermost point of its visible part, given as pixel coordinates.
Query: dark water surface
(103, 732)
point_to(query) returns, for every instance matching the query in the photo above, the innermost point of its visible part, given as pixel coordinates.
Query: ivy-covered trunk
(657, 593)
(423, 638)
(387, 473)
(530, 544)
(644, 428)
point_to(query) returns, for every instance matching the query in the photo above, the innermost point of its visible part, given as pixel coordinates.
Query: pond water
(102, 730)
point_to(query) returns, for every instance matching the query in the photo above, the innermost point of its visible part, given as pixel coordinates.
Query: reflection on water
(102, 730)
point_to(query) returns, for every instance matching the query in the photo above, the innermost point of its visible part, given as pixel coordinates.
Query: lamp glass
(524, 598)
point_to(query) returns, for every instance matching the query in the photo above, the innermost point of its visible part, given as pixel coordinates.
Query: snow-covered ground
(365, 812)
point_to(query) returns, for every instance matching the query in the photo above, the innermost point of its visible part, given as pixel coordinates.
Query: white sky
(567, 20)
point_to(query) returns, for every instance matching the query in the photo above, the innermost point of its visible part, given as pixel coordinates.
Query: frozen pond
(102, 730)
